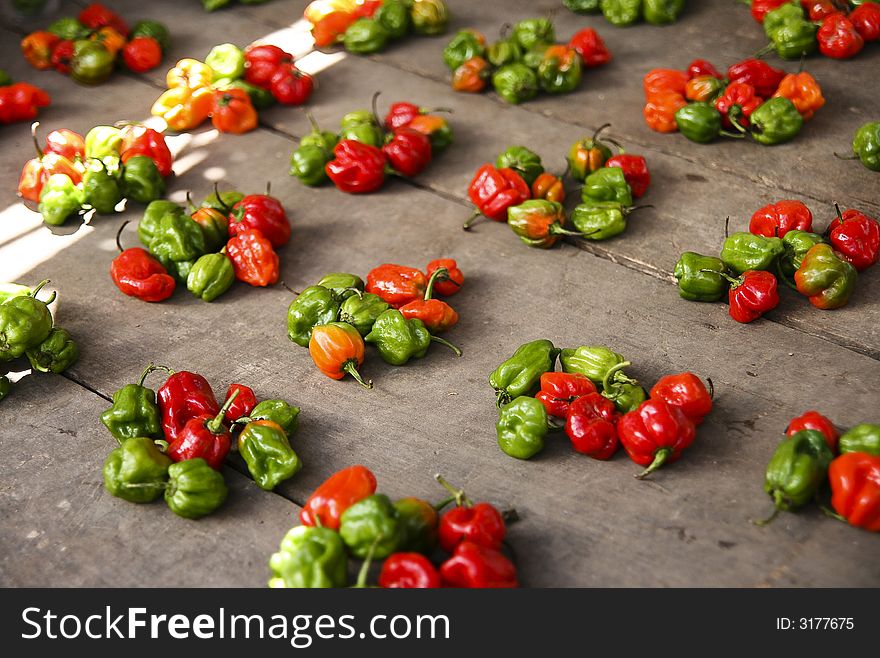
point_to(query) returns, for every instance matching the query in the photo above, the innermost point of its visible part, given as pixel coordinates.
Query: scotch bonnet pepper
(539, 223)
(590, 426)
(316, 305)
(855, 489)
(864, 437)
(698, 277)
(282, 413)
(25, 322)
(856, 237)
(336, 494)
(521, 373)
(813, 420)
(747, 251)
(655, 434)
(205, 436)
(266, 450)
(194, 489)
(521, 427)
(866, 145)
(399, 339)
(824, 278)
(372, 522)
(210, 276)
(494, 190)
(309, 558)
(560, 389)
(338, 349)
(136, 471)
(523, 161)
(55, 354)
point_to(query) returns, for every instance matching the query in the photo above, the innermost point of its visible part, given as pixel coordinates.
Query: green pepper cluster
(628, 12)
(774, 121)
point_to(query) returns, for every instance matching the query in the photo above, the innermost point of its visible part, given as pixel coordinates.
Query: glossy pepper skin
(838, 37)
(802, 90)
(752, 295)
(560, 389)
(396, 284)
(866, 145)
(148, 227)
(25, 322)
(279, 412)
(205, 436)
(393, 15)
(698, 278)
(139, 140)
(590, 48)
(587, 155)
(704, 88)
(141, 180)
(560, 70)
(365, 36)
(336, 494)
(796, 245)
(361, 312)
(776, 219)
(137, 274)
(662, 12)
(797, 470)
(687, 392)
(655, 434)
(449, 282)
(737, 102)
(263, 213)
(210, 276)
(600, 220)
(866, 19)
(92, 63)
(316, 305)
(635, 172)
(356, 168)
(621, 12)
(266, 450)
(521, 427)
(699, 122)
(338, 349)
(37, 171)
(855, 489)
(183, 396)
(475, 566)
(856, 237)
(253, 258)
(137, 461)
(419, 525)
(494, 190)
(593, 362)
(176, 241)
(437, 315)
(194, 489)
(408, 152)
(515, 83)
(215, 226)
(465, 45)
(775, 121)
(309, 558)
(521, 373)
(233, 112)
(539, 223)
(747, 251)
(790, 33)
(399, 339)
(813, 420)
(523, 161)
(825, 279)
(590, 426)
(55, 354)
(607, 184)
(864, 437)
(548, 187)
(479, 523)
(409, 570)
(134, 412)
(371, 521)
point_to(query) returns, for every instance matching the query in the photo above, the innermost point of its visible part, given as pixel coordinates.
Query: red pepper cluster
(100, 29)
(843, 32)
(273, 69)
(472, 534)
(20, 101)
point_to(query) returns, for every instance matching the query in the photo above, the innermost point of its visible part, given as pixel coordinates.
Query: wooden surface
(583, 523)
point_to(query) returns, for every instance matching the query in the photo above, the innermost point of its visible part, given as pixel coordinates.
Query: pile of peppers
(836, 28)
(396, 310)
(752, 100)
(174, 442)
(781, 245)
(87, 47)
(214, 5)
(19, 101)
(523, 61)
(813, 453)
(518, 190)
(74, 175)
(628, 12)
(345, 518)
(365, 27)
(27, 329)
(358, 158)
(596, 403)
(206, 248)
(230, 86)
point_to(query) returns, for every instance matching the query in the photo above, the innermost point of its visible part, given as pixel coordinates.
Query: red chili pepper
(36, 171)
(261, 63)
(253, 258)
(737, 103)
(366, 8)
(20, 102)
(475, 566)
(137, 274)
(866, 19)
(655, 434)
(336, 494)
(480, 524)
(142, 54)
(751, 295)
(243, 404)
(96, 16)
(590, 426)
(560, 389)
(838, 38)
(397, 284)
(701, 67)
(813, 420)
(819, 9)
(357, 168)
(635, 171)
(140, 140)
(855, 489)
(776, 219)
(449, 283)
(687, 392)
(290, 86)
(760, 8)
(494, 190)
(758, 73)
(409, 571)
(402, 113)
(184, 396)
(204, 437)
(589, 45)
(409, 151)
(263, 213)
(62, 54)
(66, 143)
(857, 237)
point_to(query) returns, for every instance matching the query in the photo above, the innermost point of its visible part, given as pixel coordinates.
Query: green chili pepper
(791, 35)
(222, 203)
(747, 251)
(59, 199)
(505, 51)
(796, 244)
(825, 278)
(521, 373)
(797, 470)
(91, 63)
(313, 306)
(152, 29)
(69, 29)
(10, 290)
(307, 164)
(101, 189)
(178, 243)
(775, 121)
(599, 220)
(515, 83)
(595, 362)
(279, 412)
(266, 450)
(309, 557)
(210, 276)
(560, 75)
(226, 60)
(136, 471)
(102, 141)
(356, 118)
(393, 15)
(861, 438)
(533, 57)
(365, 36)
(55, 354)
(521, 427)
(621, 12)
(25, 322)
(362, 312)
(607, 184)
(699, 122)
(342, 284)
(785, 13)
(660, 12)
(523, 161)
(531, 31)
(5, 387)
(325, 139)
(365, 133)
(399, 339)
(148, 227)
(372, 520)
(698, 278)
(582, 6)
(141, 180)
(429, 16)
(418, 525)
(465, 45)
(134, 412)
(866, 145)
(194, 488)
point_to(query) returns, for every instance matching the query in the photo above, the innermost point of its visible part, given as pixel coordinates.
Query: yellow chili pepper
(183, 108)
(189, 73)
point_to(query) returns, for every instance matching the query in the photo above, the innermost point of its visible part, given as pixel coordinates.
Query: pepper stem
(557, 229)
(220, 200)
(660, 458)
(834, 515)
(778, 502)
(781, 277)
(837, 210)
(458, 495)
(725, 275)
(34, 126)
(711, 388)
(599, 130)
(313, 123)
(613, 374)
(470, 221)
(845, 157)
(374, 104)
(152, 368)
(351, 368)
(436, 274)
(443, 503)
(365, 567)
(454, 348)
(766, 50)
(215, 424)
(40, 287)
(119, 235)
(189, 202)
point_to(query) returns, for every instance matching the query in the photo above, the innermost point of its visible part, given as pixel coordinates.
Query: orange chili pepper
(37, 49)
(471, 76)
(232, 111)
(331, 28)
(802, 90)
(336, 494)
(183, 108)
(189, 73)
(547, 186)
(253, 258)
(702, 88)
(338, 349)
(36, 171)
(112, 40)
(660, 111)
(435, 314)
(660, 80)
